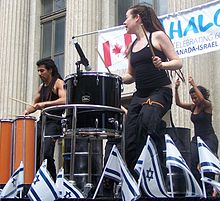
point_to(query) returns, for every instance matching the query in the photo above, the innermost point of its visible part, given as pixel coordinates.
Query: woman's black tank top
(147, 76)
(202, 124)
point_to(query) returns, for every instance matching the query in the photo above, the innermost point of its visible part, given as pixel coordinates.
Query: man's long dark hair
(49, 64)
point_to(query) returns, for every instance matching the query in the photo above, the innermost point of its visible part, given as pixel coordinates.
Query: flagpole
(103, 173)
(95, 32)
(171, 180)
(142, 168)
(203, 185)
(86, 34)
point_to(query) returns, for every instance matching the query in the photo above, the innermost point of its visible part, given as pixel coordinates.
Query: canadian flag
(113, 48)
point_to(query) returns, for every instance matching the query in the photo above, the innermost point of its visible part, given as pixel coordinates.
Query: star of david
(13, 181)
(36, 179)
(68, 195)
(149, 174)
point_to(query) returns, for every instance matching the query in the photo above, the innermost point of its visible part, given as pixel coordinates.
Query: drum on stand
(92, 123)
(6, 142)
(24, 146)
(94, 88)
(83, 150)
(98, 89)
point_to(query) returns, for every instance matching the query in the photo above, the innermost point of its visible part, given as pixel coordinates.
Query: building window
(123, 5)
(160, 6)
(53, 31)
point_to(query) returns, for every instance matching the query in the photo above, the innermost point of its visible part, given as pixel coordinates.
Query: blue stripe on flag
(71, 189)
(171, 159)
(17, 172)
(48, 183)
(115, 174)
(192, 184)
(209, 164)
(34, 194)
(59, 176)
(128, 183)
(156, 172)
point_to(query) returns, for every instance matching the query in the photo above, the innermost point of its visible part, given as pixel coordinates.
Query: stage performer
(148, 63)
(50, 93)
(201, 116)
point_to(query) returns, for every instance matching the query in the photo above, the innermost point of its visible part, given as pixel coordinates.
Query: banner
(193, 32)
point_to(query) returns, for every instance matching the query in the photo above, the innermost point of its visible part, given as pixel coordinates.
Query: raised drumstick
(20, 101)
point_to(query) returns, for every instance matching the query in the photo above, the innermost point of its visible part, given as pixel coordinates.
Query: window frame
(52, 18)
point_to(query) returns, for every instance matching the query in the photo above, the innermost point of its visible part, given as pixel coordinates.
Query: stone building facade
(21, 46)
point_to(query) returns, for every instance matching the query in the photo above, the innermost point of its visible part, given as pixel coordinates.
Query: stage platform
(141, 199)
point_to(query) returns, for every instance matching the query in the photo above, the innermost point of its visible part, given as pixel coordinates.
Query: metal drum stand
(107, 123)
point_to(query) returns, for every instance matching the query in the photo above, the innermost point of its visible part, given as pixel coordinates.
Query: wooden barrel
(6, 142)
(24, 146)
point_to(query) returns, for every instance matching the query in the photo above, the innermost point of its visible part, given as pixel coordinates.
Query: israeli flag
(149, 170)
(14, 184)
(116, 169)
(174, 158)
(112, 168)
(43, 187)
(214, 183)
(65, 188)
(208, 161)
(129, 188)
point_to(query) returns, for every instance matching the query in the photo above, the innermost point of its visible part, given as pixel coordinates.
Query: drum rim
(24, 117)
(6, 120)
(92, 73)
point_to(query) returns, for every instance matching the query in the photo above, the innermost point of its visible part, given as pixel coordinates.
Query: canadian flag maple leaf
(117, 49)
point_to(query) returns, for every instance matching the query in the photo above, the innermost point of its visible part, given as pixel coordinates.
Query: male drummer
(50, 93)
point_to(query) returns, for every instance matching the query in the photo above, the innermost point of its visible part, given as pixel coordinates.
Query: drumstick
(103, 60)
(124, 109)
(149, 43)
(20, 101)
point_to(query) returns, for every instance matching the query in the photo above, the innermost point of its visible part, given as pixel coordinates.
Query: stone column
(14, 53)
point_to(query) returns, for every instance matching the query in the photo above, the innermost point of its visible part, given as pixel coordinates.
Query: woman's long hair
(148, 16)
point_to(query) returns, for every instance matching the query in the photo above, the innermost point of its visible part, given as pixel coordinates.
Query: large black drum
(97, 89)
(94, 88)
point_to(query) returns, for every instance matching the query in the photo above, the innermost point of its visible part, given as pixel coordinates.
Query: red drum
(24, 146)
(97, 89)
(6, 139)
